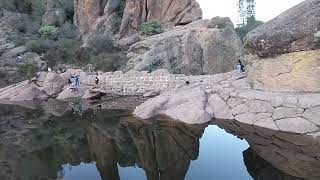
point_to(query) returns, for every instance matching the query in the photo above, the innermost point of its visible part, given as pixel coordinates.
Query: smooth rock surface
(292, 72)
(297, 29)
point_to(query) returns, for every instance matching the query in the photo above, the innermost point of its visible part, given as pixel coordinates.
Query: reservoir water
(77, 144)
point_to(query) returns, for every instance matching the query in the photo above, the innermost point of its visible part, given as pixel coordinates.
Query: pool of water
(111, 144)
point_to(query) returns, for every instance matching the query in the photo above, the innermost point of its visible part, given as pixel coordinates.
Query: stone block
(257, 106)
(266, 123)
(296, 125)
(220, 108)
(284, 112)
(313, 115)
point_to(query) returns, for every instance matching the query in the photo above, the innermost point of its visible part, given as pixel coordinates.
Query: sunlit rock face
(292, 72)
(295, 155)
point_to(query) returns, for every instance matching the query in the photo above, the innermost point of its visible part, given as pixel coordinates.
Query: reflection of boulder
(295, 155)
(35, 150)
(163, 149)
(104, 152)
(260, 169)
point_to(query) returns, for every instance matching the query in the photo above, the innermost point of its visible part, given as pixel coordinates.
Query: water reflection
(163, 149)
(277, 155)
(53, 141)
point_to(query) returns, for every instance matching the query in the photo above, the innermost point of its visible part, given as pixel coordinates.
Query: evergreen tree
(247, 19)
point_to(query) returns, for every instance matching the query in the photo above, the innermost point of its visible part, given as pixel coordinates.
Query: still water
(69, 144)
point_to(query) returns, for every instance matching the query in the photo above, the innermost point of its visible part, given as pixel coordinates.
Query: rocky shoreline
(207, 97)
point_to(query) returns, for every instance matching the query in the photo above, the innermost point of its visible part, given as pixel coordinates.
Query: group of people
(74, 82)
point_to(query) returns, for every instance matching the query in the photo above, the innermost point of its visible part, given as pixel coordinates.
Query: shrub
(68, 30)
(49, 32)
(40, 45)
(27, 69)
(101, 43)
(63, 51)
(151, 28)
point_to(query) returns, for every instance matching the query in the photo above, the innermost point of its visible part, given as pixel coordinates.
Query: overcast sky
(265, 9)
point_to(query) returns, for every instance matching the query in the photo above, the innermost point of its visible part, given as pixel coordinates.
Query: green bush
(252, 24)
(49, 32)
(101, 43)
(151, 28)
(27, 70)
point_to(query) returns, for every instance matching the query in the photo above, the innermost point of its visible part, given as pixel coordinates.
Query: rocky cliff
(126, 16)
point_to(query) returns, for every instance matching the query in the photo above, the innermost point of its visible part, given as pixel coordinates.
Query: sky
(265, 9)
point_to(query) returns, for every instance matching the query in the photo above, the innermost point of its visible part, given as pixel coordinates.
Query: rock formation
(126, 17)
(297, 29)
(55, 14)
(201, 47)
(289, 48)
(168, 12)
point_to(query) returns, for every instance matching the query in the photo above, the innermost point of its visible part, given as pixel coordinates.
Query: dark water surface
(61, 143)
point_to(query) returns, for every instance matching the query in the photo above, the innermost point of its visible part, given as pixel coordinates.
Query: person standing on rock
(77, 81)
(19, 59)
(240, 67)
(97, 80)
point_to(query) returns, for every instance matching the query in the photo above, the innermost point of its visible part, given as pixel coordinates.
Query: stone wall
(139, 83)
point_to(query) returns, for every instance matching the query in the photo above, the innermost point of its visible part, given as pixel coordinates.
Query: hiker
(19, 59)
(97, 80)
(240, 67)
(77, 78)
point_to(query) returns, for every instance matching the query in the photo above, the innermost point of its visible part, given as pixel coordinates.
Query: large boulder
(24, 91)
(294, 30)
(188, 104)
(201, 47)
(286, 55)
(53, 84)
